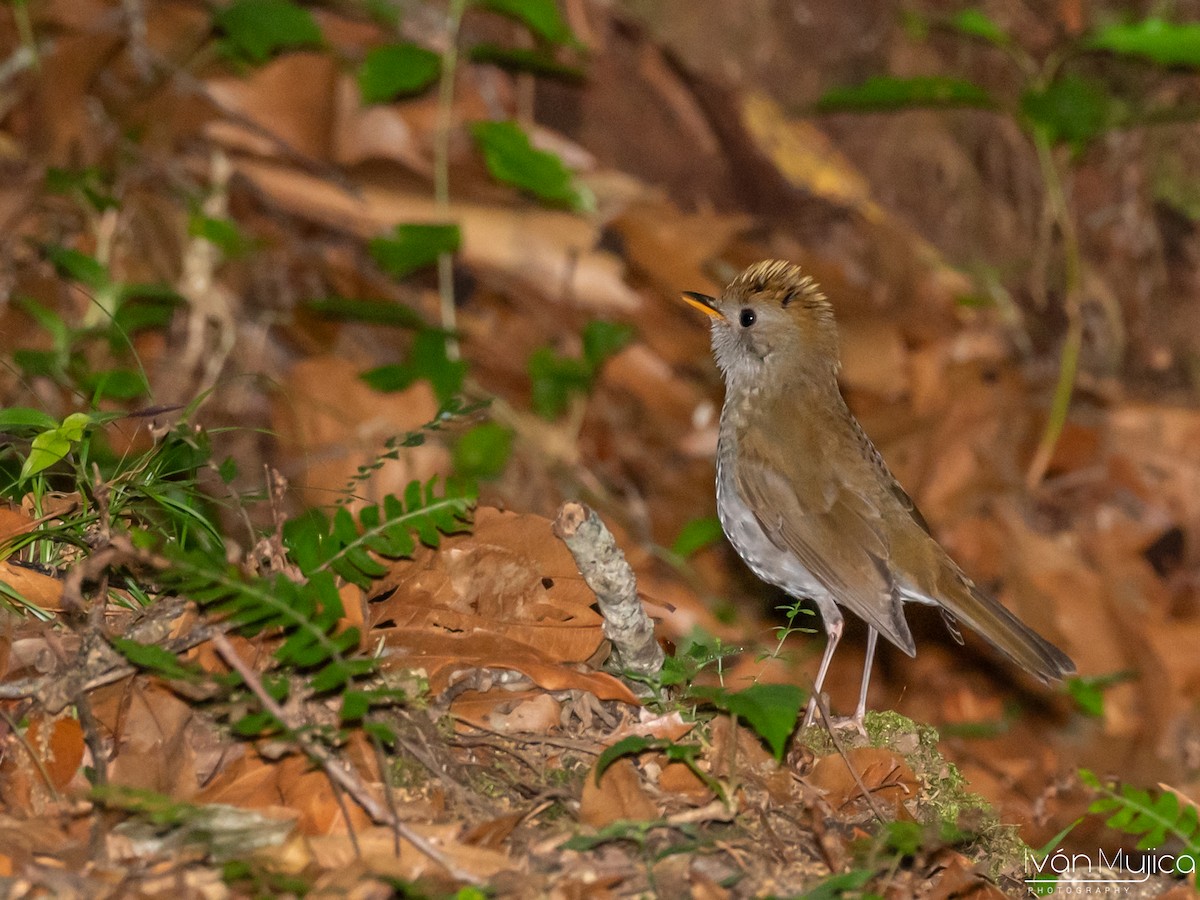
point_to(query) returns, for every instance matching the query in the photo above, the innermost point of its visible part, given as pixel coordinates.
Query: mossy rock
(945, 802)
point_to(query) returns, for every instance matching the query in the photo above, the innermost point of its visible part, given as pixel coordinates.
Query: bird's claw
(848, 723)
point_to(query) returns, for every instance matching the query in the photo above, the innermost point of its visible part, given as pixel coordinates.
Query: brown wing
(835, 533)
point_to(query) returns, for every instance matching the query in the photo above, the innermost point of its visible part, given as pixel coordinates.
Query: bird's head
(771, 323)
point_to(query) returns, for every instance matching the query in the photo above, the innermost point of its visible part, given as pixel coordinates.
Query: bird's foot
(836, 723)
(848, 723)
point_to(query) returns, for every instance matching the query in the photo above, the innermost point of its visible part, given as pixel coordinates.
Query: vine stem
(1069, 363)
(441, 171)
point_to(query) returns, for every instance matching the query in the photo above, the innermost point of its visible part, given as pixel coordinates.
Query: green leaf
(397, 70)
(1088, 691)
(1154, 39)
(45, 363)
(47, 449)
(49, 320)
(771, 710)
(604, 339)
(905, 838)
(976, 23)
(522, 59)
(355, 705)
(317, 544)
(630, 746)
(154, 659)
(74, 426)
(256, 29)
(884, 92)
(539, 16)
(483, 451)
(1051, 845)
(115, 384)
(512, 159)
(554, 380)
(23, 418)
(380, 732)
(139, 315)
(413, 247)
(1071, 110)
(70, 263)
(228, 470)
(221, 233)
(427, 359)
(844, 884)
(696, 535)
(370, 312)
(90, 183)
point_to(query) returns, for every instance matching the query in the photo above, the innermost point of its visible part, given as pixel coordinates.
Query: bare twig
(823, 708)
(607, 572)
(335, 771)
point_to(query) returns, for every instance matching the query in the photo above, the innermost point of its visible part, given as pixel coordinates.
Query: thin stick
(344, 778)
(823, 708)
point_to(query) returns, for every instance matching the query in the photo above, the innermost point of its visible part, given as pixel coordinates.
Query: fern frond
(345, 547)
(1152, 820)
(453, 409)
(306, 614)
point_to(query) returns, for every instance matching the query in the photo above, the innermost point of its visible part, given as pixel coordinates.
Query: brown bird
(806, 499)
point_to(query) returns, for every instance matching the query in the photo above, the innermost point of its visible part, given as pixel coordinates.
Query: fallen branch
(607, 572)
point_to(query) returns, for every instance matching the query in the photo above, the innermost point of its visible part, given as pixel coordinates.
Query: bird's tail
(1005, 632)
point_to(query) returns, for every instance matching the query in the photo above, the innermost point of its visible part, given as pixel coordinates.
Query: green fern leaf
(1152, 820)
(353, 550)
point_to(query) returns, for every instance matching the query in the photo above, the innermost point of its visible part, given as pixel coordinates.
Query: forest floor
(315, 316)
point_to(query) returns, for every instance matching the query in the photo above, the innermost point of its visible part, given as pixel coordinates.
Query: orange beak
(704, 303)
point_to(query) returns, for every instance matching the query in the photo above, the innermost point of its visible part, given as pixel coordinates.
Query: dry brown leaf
(674, 248)
(14, 522)
(543, 252)
(289, 100)
(805, 156)
(618, 796)
(493, 832)
(153, 746)
(1163, 444)
(330, 422)
(375, 848)
(670, 726)
(24, 837)
(677, 778)
(510, 577)
(252, 782)
(537, 715)
(40, 590)
(954, 877)
(68, 66)
(886, 775)
(736, 749)
(446, 658)
(354, 606)
(528, 712)
(29, 785)
(401, 132)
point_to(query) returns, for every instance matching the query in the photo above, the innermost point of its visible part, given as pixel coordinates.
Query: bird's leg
(861, 711)
(834, 632)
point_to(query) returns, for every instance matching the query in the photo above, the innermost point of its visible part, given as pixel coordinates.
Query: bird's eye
(747, 318)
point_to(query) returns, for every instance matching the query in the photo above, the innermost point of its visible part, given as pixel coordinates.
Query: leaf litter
(488, 700)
